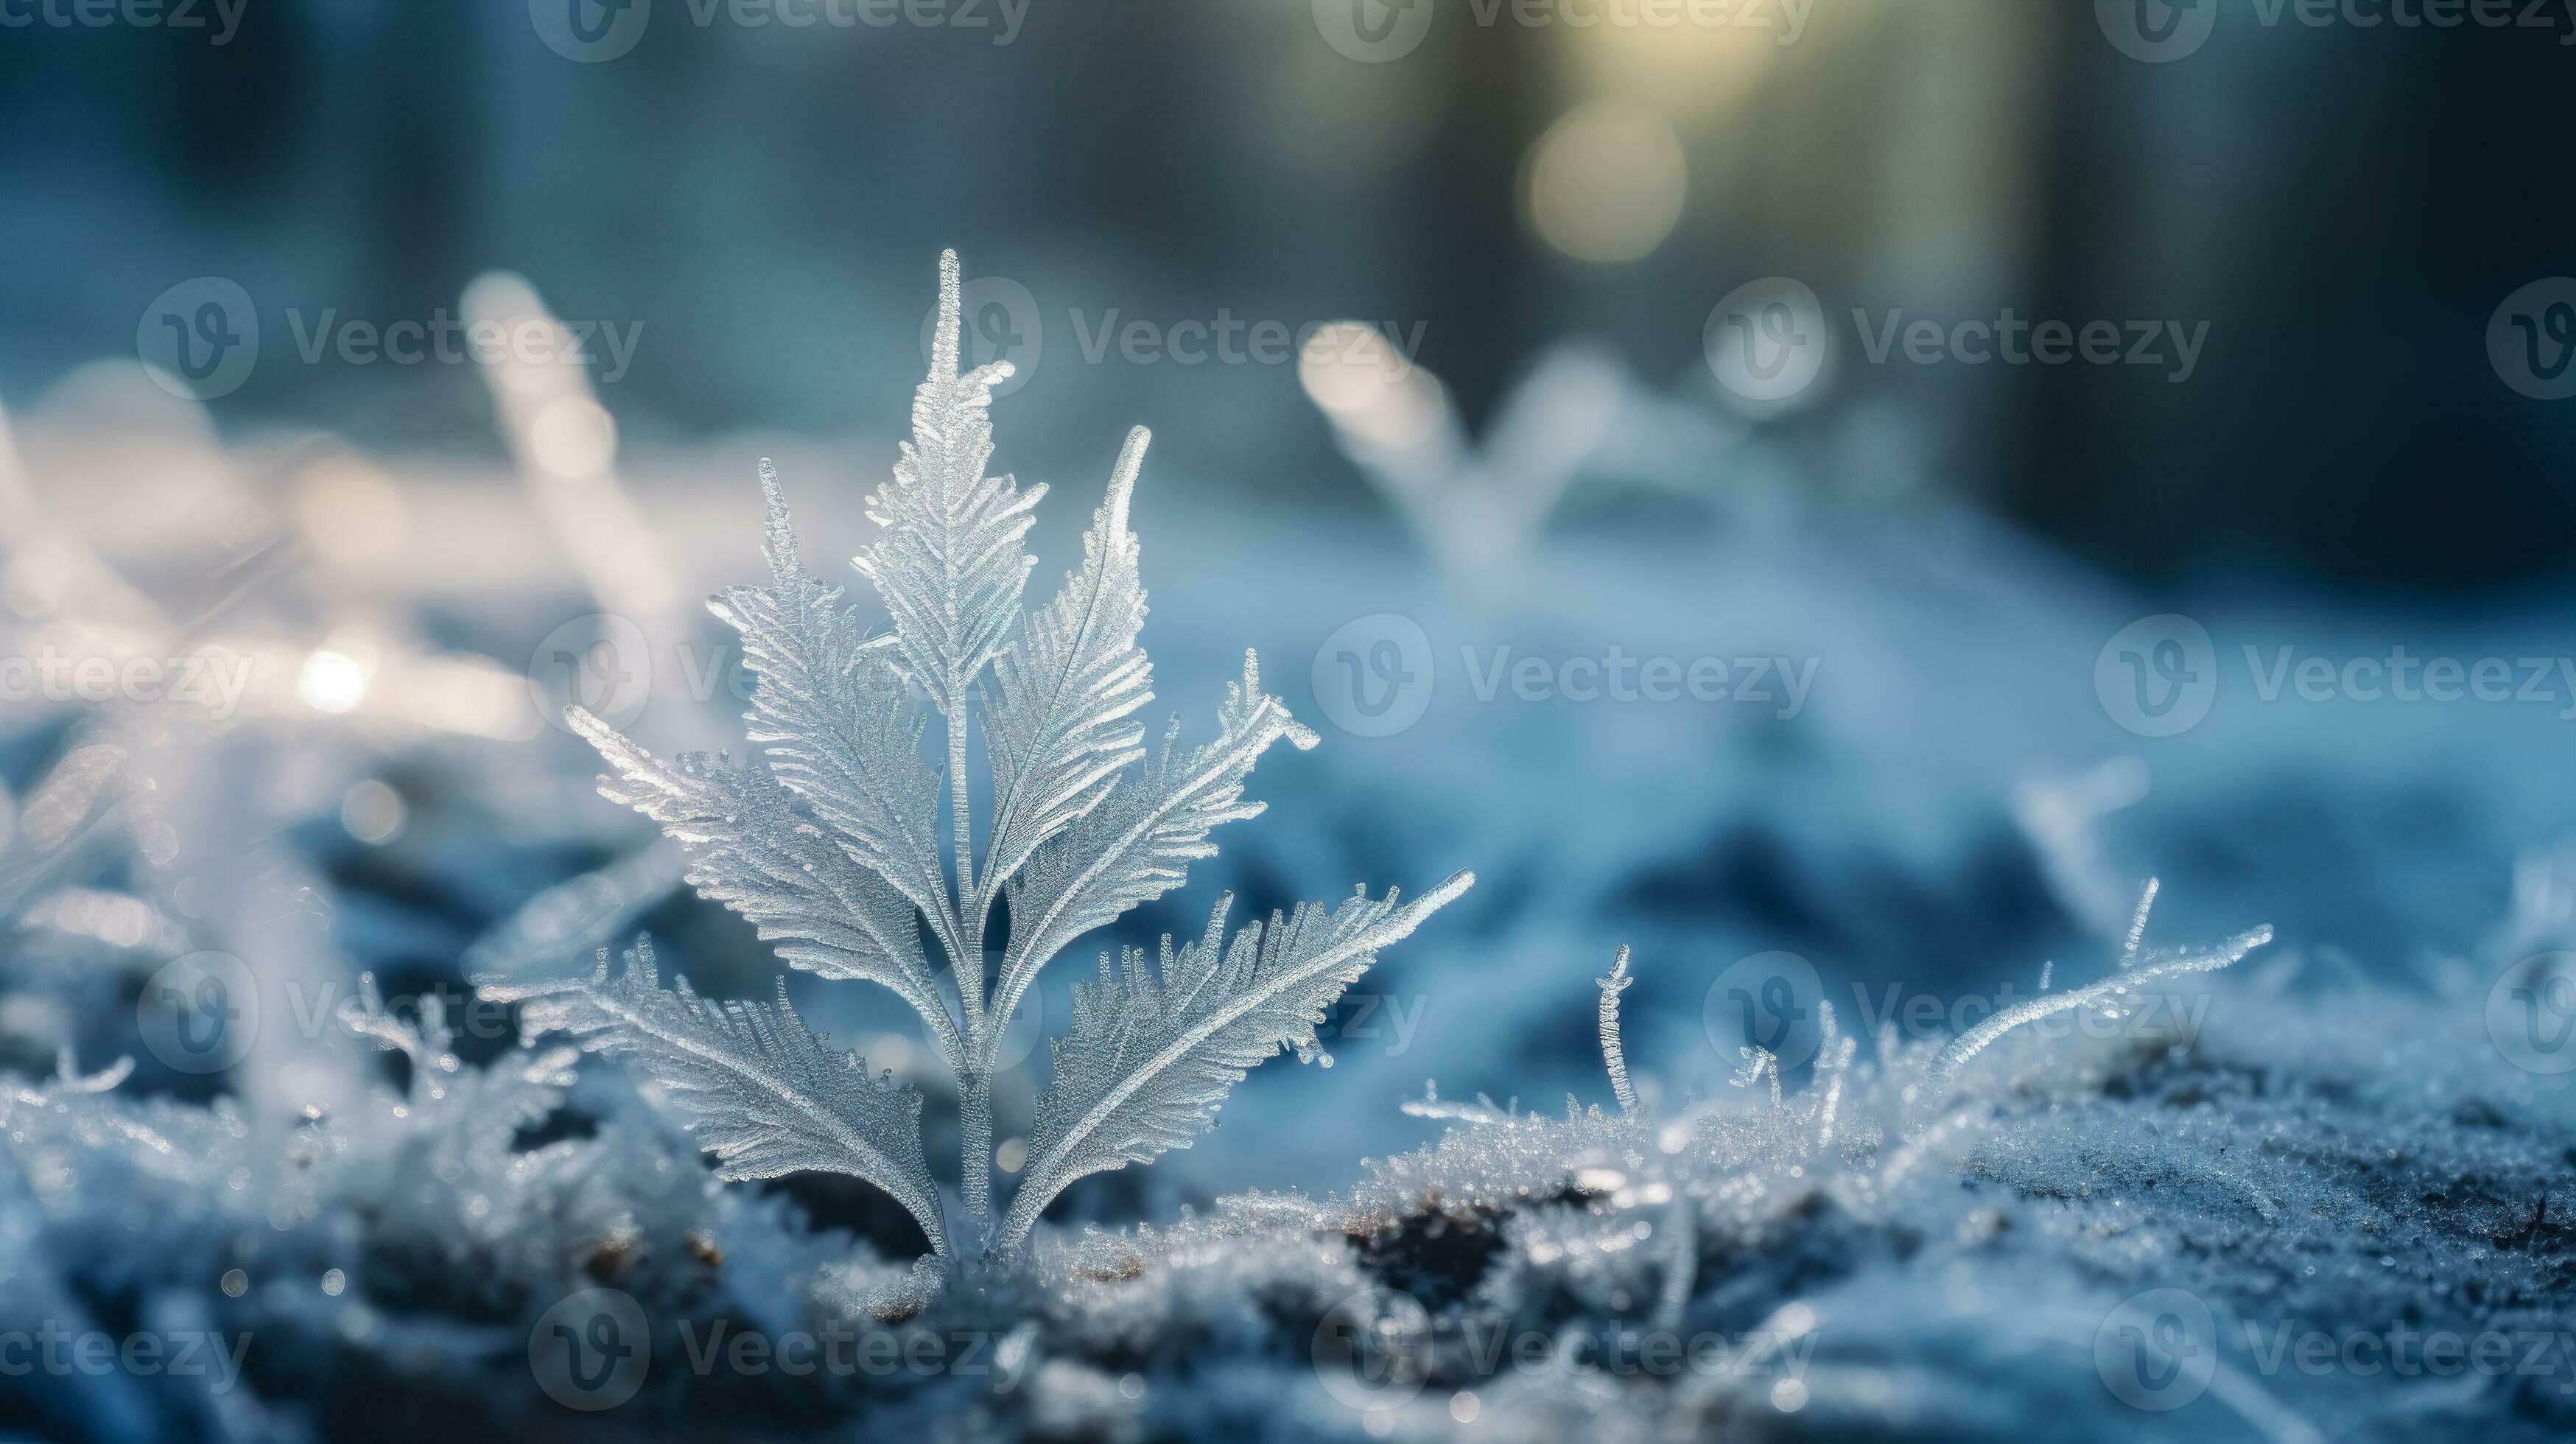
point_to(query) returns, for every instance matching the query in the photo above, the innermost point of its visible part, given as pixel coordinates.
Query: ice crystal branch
(1611, 1055)
(2135, 968)
(827, 837)
(767, 1097)
(1153, 1052)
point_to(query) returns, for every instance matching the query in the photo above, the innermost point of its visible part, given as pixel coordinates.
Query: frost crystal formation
(827, 836)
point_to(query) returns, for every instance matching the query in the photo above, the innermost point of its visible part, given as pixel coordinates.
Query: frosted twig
(1611, 987)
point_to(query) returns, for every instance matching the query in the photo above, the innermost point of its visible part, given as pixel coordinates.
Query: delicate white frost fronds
(1067, 688)
(801, 887)
(768, 1097)
(1153, 1051)
(950, 565)
(2135, 971)
(1138, 843)
(1611, 987)
(828, 836)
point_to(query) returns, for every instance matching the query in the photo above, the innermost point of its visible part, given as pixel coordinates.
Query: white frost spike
(1617, 1062)
(2132, 975)
(1153, 1051)
(2138, 924)
(767, 1097)
(950, 567)
(1060, 733)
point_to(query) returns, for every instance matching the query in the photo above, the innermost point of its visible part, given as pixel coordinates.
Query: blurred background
(1439, 314)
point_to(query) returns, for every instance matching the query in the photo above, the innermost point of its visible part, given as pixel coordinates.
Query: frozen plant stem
(826, 836)
(1611, 1055)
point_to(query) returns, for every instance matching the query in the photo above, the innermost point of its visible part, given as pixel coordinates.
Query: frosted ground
(1893, 1246)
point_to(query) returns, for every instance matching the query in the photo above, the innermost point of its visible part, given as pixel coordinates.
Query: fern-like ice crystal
(828, 838)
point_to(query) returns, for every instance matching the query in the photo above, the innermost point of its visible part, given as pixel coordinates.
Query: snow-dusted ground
(2326, 1140)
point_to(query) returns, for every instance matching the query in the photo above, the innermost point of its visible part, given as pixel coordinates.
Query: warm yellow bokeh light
(1606, 183)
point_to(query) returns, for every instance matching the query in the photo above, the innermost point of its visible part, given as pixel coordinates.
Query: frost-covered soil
(2335, 1171)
